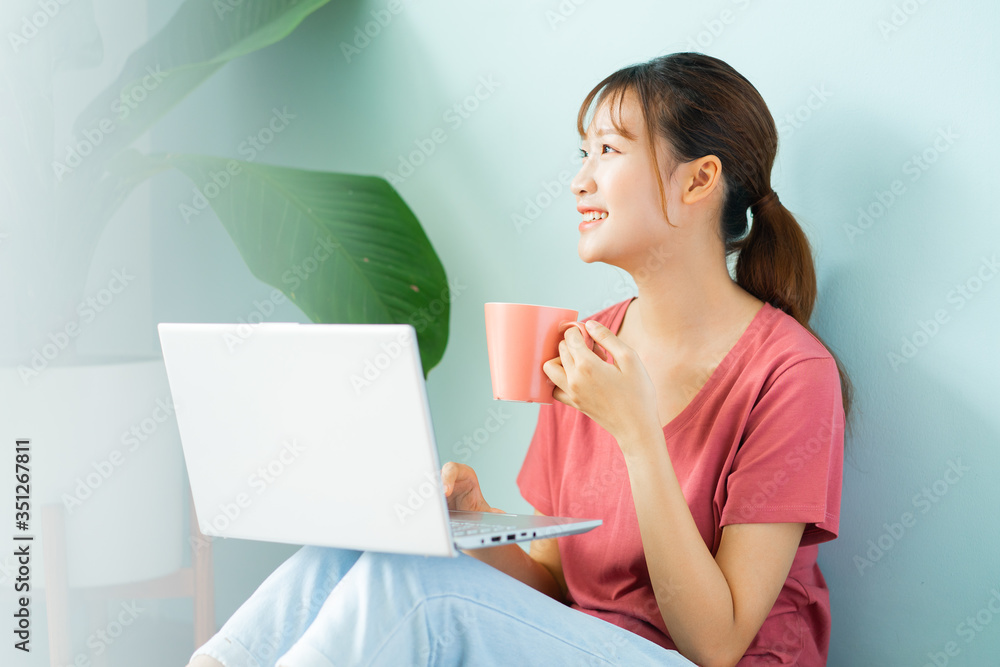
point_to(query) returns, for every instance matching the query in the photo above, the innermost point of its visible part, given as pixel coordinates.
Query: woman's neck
(683, 309)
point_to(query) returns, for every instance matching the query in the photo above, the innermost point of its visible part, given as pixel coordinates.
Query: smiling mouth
(590, 216)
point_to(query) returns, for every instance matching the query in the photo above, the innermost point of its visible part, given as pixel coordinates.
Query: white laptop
(321, 434)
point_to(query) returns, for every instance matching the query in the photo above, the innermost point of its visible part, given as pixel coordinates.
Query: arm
(541, 570)
(713, 607)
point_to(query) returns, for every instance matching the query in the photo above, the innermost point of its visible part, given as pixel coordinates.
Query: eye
(604, 149)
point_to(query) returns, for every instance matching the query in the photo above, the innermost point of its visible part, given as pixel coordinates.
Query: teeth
(594, 215)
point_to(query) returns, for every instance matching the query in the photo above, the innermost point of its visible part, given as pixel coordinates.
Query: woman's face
(617, 192)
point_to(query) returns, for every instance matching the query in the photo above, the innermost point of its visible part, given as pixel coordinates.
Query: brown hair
(702, 106)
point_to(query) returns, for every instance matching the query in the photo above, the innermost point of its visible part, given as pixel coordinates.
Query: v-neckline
(718, 373)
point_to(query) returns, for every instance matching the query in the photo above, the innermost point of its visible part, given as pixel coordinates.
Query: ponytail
(775, 262)
(775, 265)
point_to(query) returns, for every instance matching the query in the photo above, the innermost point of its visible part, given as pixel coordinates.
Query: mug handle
(587, 338)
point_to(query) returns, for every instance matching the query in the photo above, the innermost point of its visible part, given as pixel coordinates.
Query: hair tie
(767, 200)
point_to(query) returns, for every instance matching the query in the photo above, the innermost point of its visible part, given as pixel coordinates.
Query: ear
(702, 177)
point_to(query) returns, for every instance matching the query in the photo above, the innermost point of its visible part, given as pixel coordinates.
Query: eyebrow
(605, 130)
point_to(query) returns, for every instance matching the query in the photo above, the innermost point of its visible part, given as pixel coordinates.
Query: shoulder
(787, 357)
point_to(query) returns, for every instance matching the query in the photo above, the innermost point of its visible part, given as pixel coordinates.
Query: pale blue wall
(885, 98)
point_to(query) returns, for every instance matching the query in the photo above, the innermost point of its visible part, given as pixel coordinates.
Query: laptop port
(512, 536)
(496, 539)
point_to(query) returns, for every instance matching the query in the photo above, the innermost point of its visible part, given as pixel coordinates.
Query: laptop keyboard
(466, 528)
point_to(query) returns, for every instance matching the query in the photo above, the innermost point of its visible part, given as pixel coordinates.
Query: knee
(420, 575)
(418, 565)
(324, 561)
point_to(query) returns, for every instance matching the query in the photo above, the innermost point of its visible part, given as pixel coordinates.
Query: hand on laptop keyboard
(461, 488)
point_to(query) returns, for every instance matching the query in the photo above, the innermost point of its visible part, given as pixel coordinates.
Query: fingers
(461, 487)
(449, 475)
(566, 356)
(575, 341)
(554, 369)
(453, 474)
(603, 337)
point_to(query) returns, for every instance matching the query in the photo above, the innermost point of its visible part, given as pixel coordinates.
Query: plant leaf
(343, 247)
(201, 37)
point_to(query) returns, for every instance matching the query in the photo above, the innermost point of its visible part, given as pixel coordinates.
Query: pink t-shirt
(761, 442)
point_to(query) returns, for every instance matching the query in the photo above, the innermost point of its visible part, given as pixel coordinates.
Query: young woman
(711, 445)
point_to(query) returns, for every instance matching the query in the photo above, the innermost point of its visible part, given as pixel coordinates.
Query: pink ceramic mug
(520, 337)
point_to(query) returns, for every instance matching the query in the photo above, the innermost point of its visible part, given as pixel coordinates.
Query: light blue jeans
(325, 607)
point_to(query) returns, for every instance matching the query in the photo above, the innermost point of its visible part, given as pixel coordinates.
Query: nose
(584, 183)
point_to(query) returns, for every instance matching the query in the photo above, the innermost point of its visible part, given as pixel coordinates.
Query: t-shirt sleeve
(535, 480)
(789, 466)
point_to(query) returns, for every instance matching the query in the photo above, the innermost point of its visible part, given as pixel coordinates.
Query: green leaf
(201, 37)
(343, 247)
